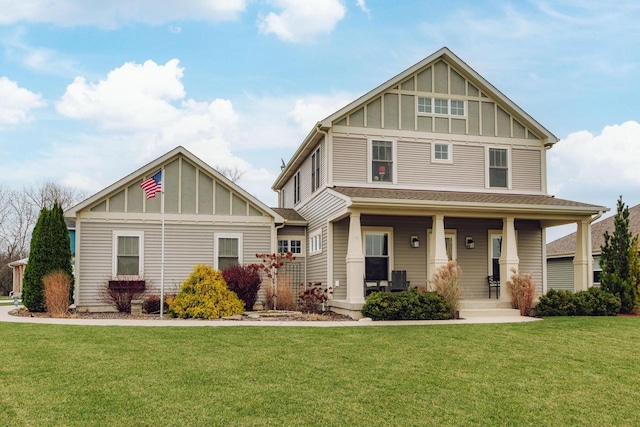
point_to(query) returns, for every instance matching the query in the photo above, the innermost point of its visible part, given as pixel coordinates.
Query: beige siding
(349, 159)
(116, 202)
(560, 274)
(530, 250)
(527, 173)
(340, 239)
(391, 111)
(408, 112)
(188, 189)
(374, 114)
(185, 246)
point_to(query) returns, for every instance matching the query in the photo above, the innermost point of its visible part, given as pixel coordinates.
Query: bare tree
(46, 194)
(232, 172)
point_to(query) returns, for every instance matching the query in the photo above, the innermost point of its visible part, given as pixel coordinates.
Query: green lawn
(563, 371)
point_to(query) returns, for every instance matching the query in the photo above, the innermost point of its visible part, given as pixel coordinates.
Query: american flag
(153, 185)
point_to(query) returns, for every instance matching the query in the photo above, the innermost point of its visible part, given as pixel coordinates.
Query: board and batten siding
(317, 211)
(185, 246)
(526, 172)
(560, 273)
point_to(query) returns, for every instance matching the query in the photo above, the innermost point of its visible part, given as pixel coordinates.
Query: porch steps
(487, 308)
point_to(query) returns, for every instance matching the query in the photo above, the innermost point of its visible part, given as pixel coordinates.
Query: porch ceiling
(541, 207)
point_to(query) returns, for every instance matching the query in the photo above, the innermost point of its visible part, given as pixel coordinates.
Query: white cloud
(301, 21)
(113, 13)
(308, 111)
(16, 102)
(597, 168)
(363, 6)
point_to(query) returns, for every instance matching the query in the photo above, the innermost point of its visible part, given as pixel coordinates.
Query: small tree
(619, 261)
(50, 251)
(270, 265)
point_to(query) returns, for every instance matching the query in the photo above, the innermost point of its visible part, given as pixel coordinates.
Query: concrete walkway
(5, 317)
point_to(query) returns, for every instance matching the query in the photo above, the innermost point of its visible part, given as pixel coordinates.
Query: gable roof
(567, 245)
(317, 133)
(154, 165)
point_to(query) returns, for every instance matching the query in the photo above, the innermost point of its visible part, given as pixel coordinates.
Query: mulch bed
(294, 316)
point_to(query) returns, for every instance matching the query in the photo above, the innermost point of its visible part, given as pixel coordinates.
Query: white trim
(315, 242)
(449, 233)
(114, 253)
(490, 235)
(449, 151)
(217, 237)
(288, 238)
(487, 163)
(390, 244)
(394, 160)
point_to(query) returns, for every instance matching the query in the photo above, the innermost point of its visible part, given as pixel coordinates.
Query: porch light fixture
(415, 243)
(469, 243)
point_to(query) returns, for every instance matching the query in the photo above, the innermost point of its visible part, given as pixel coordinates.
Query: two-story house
(433, 165)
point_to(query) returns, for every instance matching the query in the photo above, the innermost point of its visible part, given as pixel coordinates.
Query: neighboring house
(560, 252)
(208, 219)
(17, 267)
(434, 164)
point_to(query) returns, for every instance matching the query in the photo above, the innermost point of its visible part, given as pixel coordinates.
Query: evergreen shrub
(592, 302)
(205, 295)
(413, 304)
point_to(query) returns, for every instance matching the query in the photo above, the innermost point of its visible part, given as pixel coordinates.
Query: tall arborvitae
(50, 251)
(619, 261)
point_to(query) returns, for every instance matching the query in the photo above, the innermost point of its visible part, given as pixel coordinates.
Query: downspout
(590, 260)
(330, 280)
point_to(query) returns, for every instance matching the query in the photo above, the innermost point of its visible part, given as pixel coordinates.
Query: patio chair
(399, 281)
(371, 286)
(494, 283)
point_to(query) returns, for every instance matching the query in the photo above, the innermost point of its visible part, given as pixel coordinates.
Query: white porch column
(355, 261)
(508, 256)
(583, 260)
(437, 246)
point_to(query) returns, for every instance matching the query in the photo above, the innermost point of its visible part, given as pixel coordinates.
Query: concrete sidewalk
(6, 317)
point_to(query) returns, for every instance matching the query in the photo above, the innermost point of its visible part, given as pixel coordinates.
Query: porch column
(508, 256)
(355, 261)
(583, 260)
(437, 246)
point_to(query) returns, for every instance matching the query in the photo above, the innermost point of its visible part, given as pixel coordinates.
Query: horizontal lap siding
(185, 246)
(530, 251)
(317, 212)
(560, 273)
(527, 170)
(349, 159)
(340, 241)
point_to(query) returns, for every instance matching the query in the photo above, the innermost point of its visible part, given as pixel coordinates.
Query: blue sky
(92, 90)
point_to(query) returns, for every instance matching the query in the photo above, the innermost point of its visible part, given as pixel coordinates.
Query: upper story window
(128, 254)
(315, 170)
(293, 245)
(296, 188)
(498, 167)
(382, 161)
(441, 152)
(440, 106)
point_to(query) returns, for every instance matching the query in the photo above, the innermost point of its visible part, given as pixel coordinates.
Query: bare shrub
(522, 290)
(445, 283)
(118, 292)
(56, 293)
(284, 299)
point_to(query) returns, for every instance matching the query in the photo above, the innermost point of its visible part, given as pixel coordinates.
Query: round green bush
(592, 302)
(205, 295)
(408, 305)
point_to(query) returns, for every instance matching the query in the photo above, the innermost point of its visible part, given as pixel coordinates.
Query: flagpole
(162, 250)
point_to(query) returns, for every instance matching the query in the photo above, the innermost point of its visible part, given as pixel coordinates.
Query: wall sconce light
(469, 243)
(415, 243)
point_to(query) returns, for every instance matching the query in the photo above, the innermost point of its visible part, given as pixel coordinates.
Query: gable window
(498, 167)
(441, 152)
(296, 188)
(127, 252)
(424, 105)
(227, 250)
(382, 161)
(315, 170)
(441, 106)
(457, 108)
(315, 242)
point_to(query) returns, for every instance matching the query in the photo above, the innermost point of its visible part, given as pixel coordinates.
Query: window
(294, 246)
(315, 242)
(441, 152)
(296, 188)
(441, 106)
(495, 250)
(315, 170)
(376, 256)
(227, 250)
(424, 105)
(498, 167)
(382, 161)
(127, 252)
(457, 108)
